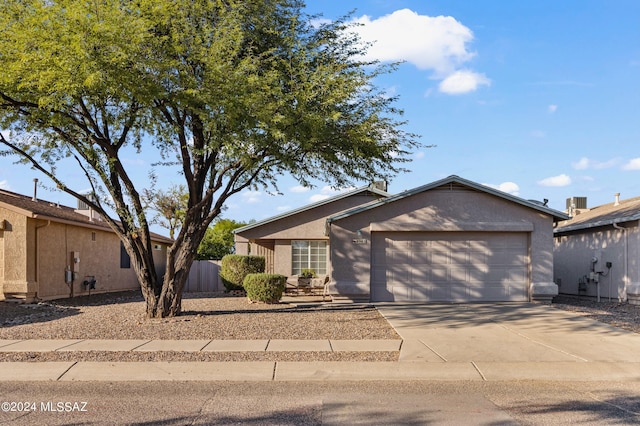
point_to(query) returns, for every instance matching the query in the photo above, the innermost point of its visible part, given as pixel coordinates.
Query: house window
(93, 236)
(309, 255)
(125, 260)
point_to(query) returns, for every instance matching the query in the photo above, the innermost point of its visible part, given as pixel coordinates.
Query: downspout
(625, 279)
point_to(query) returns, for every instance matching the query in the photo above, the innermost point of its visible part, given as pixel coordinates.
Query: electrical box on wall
(75, 261)
(598, 263)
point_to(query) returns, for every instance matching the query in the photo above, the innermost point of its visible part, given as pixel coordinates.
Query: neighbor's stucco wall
(18, 240)
(574, 251)
(435, 210)
(99, 259)
(35, 253)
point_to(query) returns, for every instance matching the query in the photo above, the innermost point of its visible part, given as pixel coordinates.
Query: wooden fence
(204, 276)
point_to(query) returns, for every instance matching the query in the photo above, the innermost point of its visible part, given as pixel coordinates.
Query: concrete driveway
(506, 333)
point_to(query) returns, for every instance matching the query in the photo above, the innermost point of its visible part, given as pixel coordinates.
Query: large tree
(231, 93)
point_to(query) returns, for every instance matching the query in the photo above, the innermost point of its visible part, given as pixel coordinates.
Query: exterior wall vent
(576, 203)
(84, 206)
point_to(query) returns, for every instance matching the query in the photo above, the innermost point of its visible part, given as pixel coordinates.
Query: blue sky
(539, 98)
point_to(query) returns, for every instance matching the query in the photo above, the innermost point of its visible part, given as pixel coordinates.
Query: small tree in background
(218, 241)
(170, 207)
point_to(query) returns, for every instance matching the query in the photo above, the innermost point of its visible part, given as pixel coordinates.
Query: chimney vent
(380, 184)
(617, 195)
(35, 189)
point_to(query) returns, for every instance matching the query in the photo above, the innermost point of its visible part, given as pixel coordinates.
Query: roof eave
(557, 215)
(596, 224)
(311, 206)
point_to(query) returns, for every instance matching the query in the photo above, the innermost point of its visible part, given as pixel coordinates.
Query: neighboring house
(597, 251)
(449, 241)
(49, 251)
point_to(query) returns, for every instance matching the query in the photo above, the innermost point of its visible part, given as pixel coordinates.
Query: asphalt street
(316, 403)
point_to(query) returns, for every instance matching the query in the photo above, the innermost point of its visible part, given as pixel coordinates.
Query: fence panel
(204, 276)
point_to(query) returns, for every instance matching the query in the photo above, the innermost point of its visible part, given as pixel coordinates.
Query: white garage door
(449, 266)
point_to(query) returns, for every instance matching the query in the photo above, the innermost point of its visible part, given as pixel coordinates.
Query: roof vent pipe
(35, 189)
(617, 203)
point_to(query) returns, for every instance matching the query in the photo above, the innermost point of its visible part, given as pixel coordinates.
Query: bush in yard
(266, 288)
(235, 267)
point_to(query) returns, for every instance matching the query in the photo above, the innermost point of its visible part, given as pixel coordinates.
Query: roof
(362, 189)
(47, 210)
(453, 179)
(606, 214)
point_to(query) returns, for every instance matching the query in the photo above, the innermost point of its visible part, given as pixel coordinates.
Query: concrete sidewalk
(200, 345)
(316, 371)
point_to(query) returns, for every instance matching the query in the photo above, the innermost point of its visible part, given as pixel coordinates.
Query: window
(125, 260)
(93, 236)
(309, 255)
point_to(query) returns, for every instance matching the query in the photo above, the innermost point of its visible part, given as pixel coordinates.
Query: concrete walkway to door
(516, 340)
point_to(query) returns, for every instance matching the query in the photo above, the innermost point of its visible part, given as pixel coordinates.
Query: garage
(449, 266)
(450, 241)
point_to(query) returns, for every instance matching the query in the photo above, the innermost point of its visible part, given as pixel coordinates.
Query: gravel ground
(216, 316)
(205, 316)
(622, 315)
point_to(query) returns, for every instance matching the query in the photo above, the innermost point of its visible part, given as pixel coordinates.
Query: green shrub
(235, 267)
(307, 273)
(266, 288)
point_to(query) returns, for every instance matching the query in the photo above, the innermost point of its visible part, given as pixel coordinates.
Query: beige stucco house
(49, 251)
(453, 240)
(597, 251)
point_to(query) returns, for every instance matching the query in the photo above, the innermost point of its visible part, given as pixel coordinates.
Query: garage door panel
(422, 256)
(420, 274)
(451, 267)
(440, 258)
(440, 275)
(460, 274)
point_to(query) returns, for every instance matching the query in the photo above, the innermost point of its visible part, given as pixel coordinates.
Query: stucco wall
(307, 225)
(35, 253)
(99, 258)
(17, 277)
(440, 210)
(573, 254)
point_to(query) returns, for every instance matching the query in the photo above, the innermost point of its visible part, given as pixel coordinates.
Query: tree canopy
(229, 94)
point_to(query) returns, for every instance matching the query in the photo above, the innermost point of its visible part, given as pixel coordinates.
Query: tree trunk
(164, 299)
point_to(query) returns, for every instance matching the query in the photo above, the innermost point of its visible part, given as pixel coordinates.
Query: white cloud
(299, 188)
(585, 163)
(438, 44)
(4, 184)
(539, 134)
(552, 108)
(430, 43)
(251, 196)
(582, 164)
(633, 164)
(327, 192)
(418, 155)
(560, 180)
(508, 187)
(463, 81)
(318, 197)
(283, 208)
